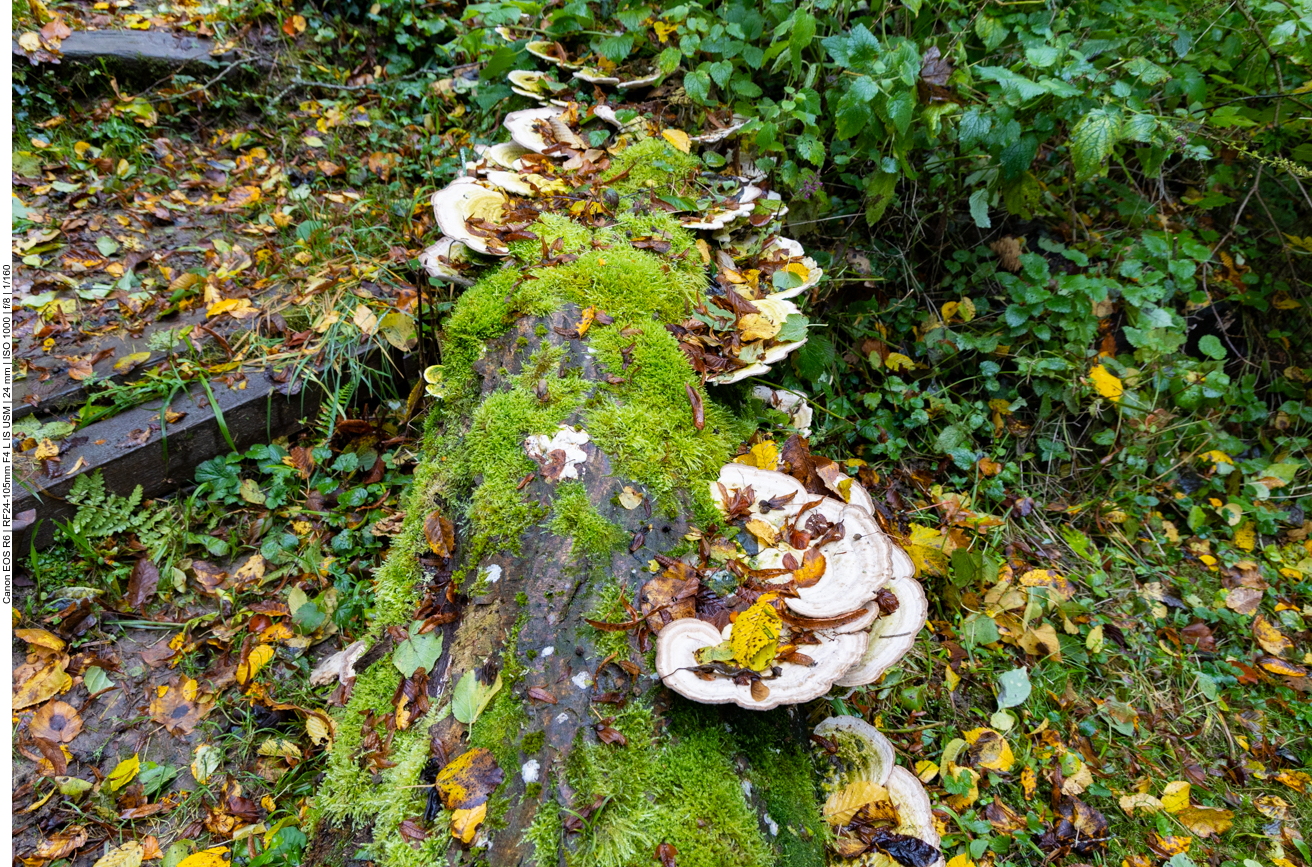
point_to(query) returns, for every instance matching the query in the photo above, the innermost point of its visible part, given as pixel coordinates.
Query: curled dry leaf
(62, 844)
(440, 534)
(57, 721)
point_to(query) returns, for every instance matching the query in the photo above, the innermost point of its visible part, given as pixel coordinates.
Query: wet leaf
(698, 410)
(629, 498)
(1271, 639)
(665, 854)
(843, 804)
(441, 535)
(469, 779)
(215, 857)
(130, 854)
(1176, 796)
(41, 681)
(811, 570)
(124, 772)
(471, 696)
(988, 750)
(57, 721)
(1059, 585)
(1206, 821)
(62, 843)
(258, 657)
(464, 823)
(142, 584)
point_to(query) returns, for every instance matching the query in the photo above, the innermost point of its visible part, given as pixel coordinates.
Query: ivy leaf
(471, 697)
(1092, 142)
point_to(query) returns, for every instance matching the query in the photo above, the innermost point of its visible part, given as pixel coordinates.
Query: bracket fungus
(463, 200)
(880, 812)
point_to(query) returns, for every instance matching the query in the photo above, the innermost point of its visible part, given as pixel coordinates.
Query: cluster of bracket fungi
(821, 596)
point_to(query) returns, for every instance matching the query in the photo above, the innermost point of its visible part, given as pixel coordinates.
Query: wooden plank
(138, 48)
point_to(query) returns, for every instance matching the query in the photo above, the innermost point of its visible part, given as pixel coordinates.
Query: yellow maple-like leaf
(755, 636)
(1106, 383)
(464, 823)
(678, 138)
(237, 308)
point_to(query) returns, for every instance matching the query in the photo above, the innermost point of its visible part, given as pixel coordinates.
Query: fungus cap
(679, 641)
(864, 745)
(857, 566)
(542, 49)
(892, 636)
(765, 484)
(464, 198)
(522, 127)
(506, 154)
(438, 260)
(791, 402)
(915, 814)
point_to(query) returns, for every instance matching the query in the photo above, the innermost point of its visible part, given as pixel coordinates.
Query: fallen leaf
(844, 803)
(469, 779)
(1206, 821)
(61, 844)
(124, 772)
(1243, 600)
(464, 823)
(206, 760)
(130, 854)
(1140, 802)
(58, 722)
(215, 857)
(1059, 584)
(811, 570)
(142, 583)
(1176, 796)
(249, 667)
(988, 750)
(678, 138)
(440, 534)
(629, 498)
(1271, 639)
(40, 681)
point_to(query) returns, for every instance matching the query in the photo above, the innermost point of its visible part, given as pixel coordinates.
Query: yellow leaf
(1271, 639)
(898, 361)
(256, 660)
(29, 41)
(952, 679)
(124, 772)
(926, 548)
(926, 770)
(1057, 583)
(989, 750)
(678, 138)
(318, 728)
(464, 823)
(205, 762)
(1094, 643)
(1106, 383)
(1029, 782)
(966, 310)
(130, 854)
(762, 530)
(764, 455)
(237, 308)
(279, 748)
(754, 326)
(663, 30)
(961, 860)
(843, 804)
(1173, 844)
(365, 320)
(45, 451)
(1140, 803)
(128, 362)
(1176, 796)
(209, 858)
(755, 636)
(1206, 821)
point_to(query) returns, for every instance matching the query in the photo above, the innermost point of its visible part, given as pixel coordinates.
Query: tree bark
(564, 685)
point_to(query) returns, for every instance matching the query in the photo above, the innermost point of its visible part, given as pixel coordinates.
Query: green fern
(103, 515)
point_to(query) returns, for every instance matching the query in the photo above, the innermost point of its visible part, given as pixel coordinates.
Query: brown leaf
(208, 576)
(62, 844)
(412, 832)
(934, 69)
(698, 411)
(57, 721)
(142, 584)
(812, 568)
(665, 853)
(537, 693)
(469, 779)
(760, 692)
(41, 680)
(441, 535)
(610, 735)
(1199, 634)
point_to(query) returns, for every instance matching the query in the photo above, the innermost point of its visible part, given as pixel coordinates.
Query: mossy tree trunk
(601, 763)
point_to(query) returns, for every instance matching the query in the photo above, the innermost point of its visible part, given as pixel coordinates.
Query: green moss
(550, 228)
(545, 833)
(782, 774)
(628, 284)
(480, 315)
(574, 517)
(610, 609)
(533, 743)
(645, 425)
(651, 164)
(498, 730)
(684, 790)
